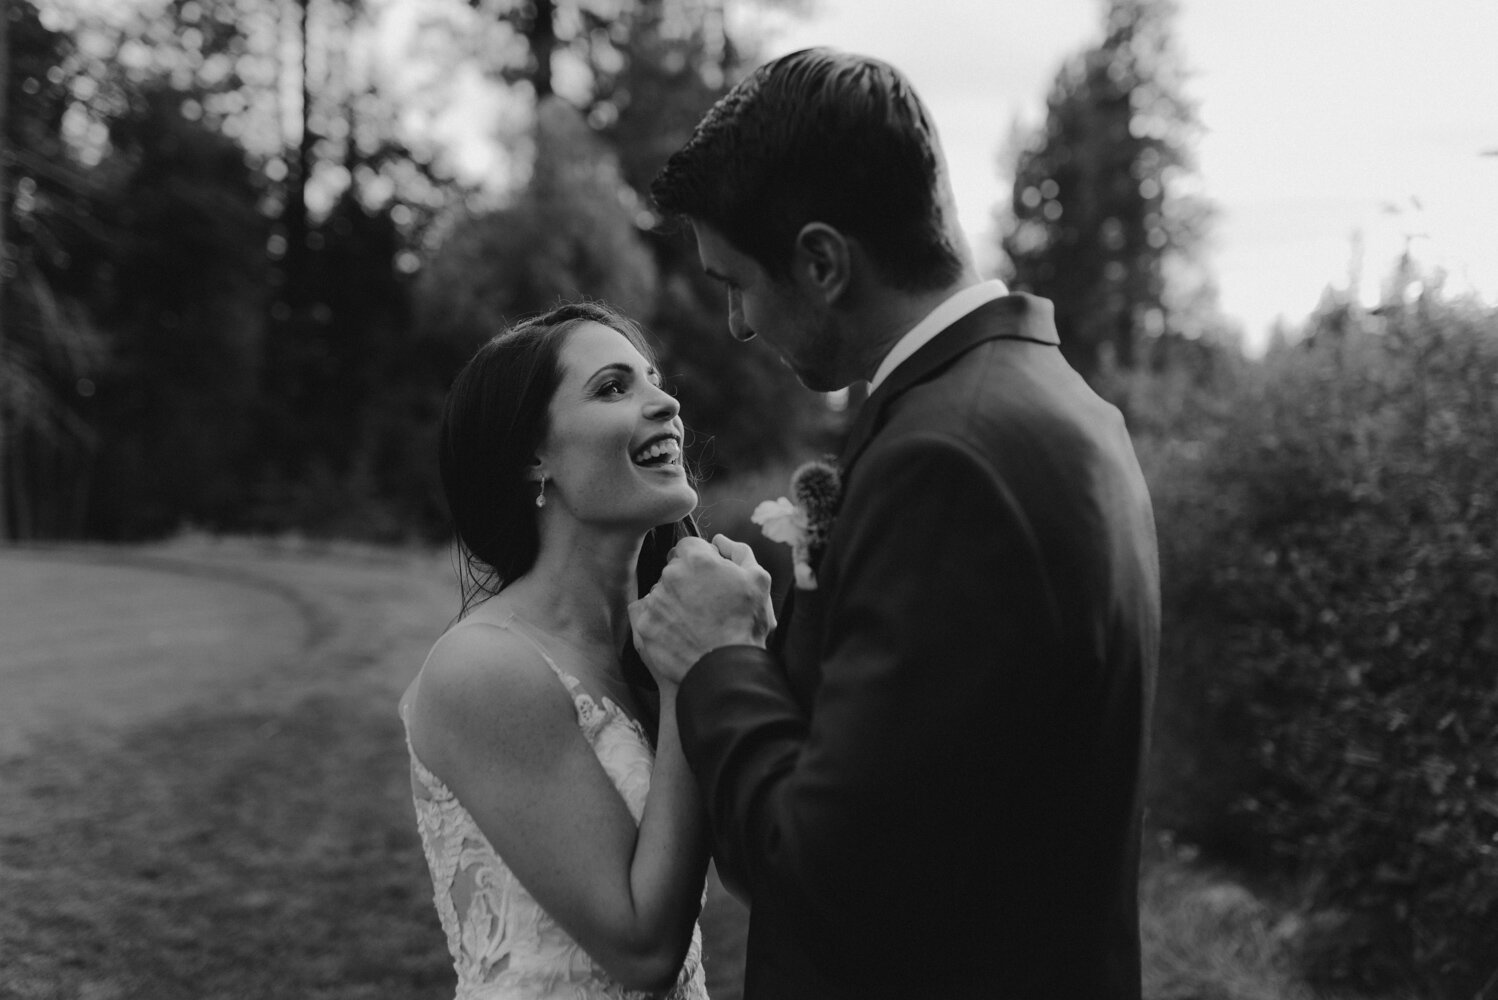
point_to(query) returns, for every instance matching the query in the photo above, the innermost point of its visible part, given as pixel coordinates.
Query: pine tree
(1098, 209)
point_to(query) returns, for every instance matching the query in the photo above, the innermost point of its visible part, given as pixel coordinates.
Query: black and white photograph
(748, 500)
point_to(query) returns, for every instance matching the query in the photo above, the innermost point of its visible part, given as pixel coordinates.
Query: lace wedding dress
(504, 945)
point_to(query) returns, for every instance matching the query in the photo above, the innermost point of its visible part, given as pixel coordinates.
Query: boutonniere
(805, 522)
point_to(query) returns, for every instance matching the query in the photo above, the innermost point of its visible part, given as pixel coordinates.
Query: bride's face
(612, 453)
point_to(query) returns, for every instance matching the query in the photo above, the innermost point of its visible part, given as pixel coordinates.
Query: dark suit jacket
(930, 787)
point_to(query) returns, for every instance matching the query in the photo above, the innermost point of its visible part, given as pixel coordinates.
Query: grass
(263, 846)
(260, 846)
(251, 854)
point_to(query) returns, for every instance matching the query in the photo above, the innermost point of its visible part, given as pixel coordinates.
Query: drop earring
(541, 493)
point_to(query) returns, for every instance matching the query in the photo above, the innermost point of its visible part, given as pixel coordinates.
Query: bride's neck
(581, 587)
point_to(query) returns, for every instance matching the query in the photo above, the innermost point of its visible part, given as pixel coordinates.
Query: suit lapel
(1012, 317)
(798, 643)
(798, 634)
(783, 616)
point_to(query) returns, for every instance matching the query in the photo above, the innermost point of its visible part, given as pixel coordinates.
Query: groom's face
(760, 306)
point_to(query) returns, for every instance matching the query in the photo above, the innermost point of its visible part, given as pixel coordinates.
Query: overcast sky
(1324, 118)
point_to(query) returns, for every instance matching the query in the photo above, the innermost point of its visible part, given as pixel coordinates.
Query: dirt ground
(197, 659)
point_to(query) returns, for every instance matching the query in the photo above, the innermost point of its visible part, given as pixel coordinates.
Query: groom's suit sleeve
(885, 792)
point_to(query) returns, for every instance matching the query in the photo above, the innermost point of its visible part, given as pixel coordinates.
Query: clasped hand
(708, 596)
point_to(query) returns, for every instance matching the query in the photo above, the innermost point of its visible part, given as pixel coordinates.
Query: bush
(1205, 935)
(1330, 566)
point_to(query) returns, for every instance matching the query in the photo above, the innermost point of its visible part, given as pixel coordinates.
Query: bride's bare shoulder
(483, 679)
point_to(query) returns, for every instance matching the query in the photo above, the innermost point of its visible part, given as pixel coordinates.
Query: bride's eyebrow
(651, 373)
(612, 366)
(614, 370)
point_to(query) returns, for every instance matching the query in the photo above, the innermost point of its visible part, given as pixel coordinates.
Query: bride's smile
(612, 453)
(562, 828)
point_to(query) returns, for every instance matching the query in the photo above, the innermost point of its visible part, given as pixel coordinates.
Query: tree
(1099, 218)
(569, 234)
(50, 354)
(182, 303)
(639, 76)
(211, 209)
(154, 158)
(4, 259)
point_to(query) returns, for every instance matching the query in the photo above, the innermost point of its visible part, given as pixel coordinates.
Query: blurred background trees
(1103, 220)
(51, 353)
(1329, 671)
(238, 277)
(1328, 708)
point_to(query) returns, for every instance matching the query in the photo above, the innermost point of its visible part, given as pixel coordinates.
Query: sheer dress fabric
(504, 945)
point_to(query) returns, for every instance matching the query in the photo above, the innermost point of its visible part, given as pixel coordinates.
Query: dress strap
(587, 707)
(513, 624)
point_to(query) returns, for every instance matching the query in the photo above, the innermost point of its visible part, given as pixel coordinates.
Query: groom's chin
(817, 382)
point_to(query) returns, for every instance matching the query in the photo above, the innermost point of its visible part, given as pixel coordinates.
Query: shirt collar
(953, 308)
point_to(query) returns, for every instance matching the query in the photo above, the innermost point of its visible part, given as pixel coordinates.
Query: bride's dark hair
(493, 421)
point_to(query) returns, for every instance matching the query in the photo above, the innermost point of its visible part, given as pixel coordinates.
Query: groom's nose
(737, 327)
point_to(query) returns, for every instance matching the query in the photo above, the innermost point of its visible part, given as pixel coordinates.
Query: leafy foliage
(583, 226)
(1330, 550)
(571, 233)
(208, 312)
(50, 350)
(181, 295)
(344, 439)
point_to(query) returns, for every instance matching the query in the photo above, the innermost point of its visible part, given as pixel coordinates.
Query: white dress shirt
(956, 306)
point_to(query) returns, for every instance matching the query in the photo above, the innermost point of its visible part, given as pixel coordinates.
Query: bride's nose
(662, 405)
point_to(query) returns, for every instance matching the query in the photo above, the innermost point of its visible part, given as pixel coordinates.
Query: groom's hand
(709, 595)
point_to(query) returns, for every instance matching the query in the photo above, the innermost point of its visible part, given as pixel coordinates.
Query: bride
(563, 831)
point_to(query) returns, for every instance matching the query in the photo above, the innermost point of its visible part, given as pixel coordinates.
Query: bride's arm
(493, 722)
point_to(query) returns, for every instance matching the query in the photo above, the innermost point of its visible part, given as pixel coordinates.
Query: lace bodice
(504, 945)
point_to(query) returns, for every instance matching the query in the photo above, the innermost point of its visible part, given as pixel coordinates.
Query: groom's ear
(821, 261)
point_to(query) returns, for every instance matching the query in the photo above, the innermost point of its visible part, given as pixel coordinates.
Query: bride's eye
(610, 387)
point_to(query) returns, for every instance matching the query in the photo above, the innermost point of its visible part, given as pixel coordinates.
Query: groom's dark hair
(819, 136)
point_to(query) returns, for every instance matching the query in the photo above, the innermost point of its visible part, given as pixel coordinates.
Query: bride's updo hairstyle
(493, 422)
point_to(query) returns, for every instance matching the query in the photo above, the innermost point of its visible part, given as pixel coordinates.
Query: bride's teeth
(666, 448)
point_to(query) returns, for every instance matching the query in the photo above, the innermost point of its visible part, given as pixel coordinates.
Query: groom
(928, 783)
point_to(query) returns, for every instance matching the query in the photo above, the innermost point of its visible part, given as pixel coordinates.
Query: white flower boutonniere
(805, 523)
